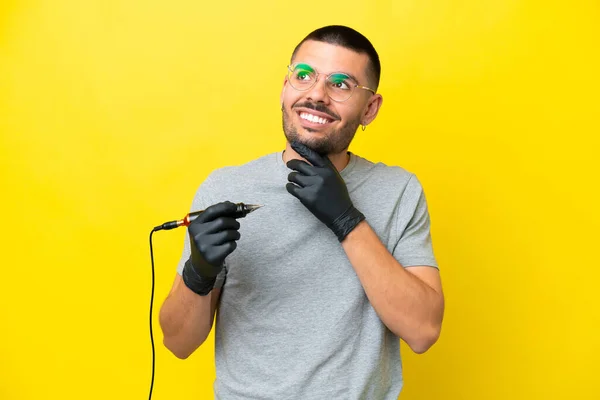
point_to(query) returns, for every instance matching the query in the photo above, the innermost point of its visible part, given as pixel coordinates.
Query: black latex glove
(213, 237)
(322, 190)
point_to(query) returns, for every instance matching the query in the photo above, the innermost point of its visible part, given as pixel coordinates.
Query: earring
(364, 127)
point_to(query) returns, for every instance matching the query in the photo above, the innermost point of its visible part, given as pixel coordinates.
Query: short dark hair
(349, 38)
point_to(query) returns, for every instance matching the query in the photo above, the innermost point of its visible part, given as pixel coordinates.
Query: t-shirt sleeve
(414, 245)
(201, 201)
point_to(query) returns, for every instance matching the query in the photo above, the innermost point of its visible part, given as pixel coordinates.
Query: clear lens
(302, 77)
(340, 87)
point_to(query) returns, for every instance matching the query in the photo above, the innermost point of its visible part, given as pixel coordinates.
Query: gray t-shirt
(294, 321)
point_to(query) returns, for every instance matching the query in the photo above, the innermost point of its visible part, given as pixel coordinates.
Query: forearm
(186, 319)
(406, 305)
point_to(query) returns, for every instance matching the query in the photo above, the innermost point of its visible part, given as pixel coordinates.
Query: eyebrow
(308, 66)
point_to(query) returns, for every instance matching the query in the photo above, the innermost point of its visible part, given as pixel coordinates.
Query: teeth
(313, 118)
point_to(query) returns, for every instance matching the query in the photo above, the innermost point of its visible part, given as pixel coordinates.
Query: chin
(316, 140)
(319, 146)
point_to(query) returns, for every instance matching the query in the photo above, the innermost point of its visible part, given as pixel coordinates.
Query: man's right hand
(213, 237)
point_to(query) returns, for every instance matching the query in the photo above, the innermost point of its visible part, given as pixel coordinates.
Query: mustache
(318, 107)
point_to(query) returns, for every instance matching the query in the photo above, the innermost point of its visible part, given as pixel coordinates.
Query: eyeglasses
(339, 86)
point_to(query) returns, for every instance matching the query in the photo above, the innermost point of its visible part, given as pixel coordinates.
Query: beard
(335, 141)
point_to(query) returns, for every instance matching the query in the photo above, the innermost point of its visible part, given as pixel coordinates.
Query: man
(314, 290)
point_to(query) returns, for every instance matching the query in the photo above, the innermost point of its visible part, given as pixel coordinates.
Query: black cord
(151, 303)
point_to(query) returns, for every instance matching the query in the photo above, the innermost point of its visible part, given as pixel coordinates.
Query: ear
(283, 90)
(372, 109)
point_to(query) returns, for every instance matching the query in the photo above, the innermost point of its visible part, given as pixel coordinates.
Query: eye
(340, 82)
(303, 75)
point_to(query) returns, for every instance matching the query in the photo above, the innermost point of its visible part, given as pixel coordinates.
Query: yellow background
(112, 112)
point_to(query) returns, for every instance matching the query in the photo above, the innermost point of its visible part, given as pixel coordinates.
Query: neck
(339, 160)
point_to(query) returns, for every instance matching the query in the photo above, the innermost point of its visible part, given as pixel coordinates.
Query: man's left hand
(322, 190)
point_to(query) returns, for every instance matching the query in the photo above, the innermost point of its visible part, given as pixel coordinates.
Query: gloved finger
(220, 224)
(312, 156)
(299, 179)
(221, 237)
(217, 210)
(293, 189)
(226, 248)
(302, 167)
(218, 253)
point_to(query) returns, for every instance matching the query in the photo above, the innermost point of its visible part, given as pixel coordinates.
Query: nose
(318, 92)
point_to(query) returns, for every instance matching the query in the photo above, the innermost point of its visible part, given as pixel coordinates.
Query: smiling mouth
(306, 116)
